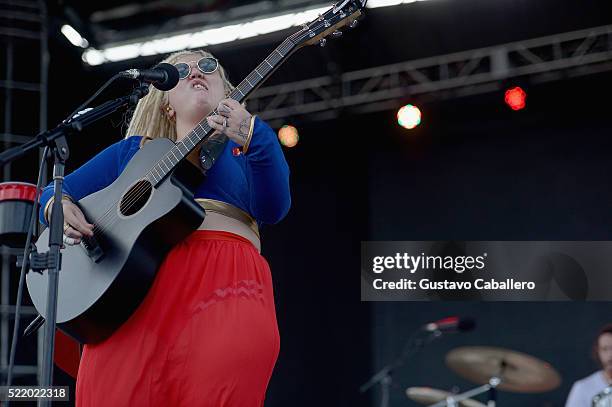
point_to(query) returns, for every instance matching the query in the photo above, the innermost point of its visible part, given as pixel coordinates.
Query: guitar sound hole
(135, 198)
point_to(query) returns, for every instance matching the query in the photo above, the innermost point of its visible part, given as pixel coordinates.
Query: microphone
(451, 324)
(164, 76)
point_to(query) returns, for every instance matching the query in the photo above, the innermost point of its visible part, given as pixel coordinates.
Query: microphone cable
(93, 97)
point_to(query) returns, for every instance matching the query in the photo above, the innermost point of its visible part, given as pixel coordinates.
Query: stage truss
(441, 77)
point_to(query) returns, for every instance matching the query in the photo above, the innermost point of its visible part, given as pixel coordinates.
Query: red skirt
(205, 335)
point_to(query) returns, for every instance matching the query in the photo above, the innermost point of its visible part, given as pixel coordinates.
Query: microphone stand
(384, 376)
(51, 260)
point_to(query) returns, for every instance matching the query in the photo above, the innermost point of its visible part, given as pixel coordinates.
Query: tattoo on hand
(243, 129)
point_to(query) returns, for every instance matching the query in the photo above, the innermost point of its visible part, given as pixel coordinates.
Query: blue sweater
(256, 182)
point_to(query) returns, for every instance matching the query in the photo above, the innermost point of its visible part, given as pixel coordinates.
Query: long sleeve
(580, 396)
(94, 175)
(574, 399)
(267, 176)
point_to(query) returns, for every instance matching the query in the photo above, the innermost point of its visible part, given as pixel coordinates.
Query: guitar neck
(342, 13)
(202, 130)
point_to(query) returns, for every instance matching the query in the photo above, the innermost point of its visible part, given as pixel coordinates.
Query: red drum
(16, 200)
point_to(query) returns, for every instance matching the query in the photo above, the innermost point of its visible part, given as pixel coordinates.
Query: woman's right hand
(75, 224)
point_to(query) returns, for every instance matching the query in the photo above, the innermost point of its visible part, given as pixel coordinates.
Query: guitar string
(139, 192)
(110, 217)
(133, 196)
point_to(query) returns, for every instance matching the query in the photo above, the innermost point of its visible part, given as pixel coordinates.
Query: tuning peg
(353, 23)
(340, 5)
(322, 42)
(337, 34)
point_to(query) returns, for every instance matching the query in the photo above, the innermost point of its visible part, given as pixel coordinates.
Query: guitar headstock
(343, 13)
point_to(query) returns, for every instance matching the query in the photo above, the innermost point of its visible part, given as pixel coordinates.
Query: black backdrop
(473, 170)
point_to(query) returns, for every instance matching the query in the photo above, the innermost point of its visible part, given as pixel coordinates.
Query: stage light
(162, 45)
(388, 3)
(238, 30)
(409, 117)
(515, 98)
(93, 57)
(288, 136)
(121, 53)
(74, 37)
(201, 38)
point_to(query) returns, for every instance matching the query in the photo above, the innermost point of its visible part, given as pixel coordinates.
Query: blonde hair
(150, 119)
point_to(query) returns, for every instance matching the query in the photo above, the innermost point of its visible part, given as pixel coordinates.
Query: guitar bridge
(92, 247)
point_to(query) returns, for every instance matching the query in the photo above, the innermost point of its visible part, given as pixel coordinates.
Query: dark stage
(473, 170)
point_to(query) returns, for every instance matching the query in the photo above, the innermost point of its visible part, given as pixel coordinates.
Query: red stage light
(515, 98)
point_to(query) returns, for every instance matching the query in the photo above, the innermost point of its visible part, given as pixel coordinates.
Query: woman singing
(206, 333)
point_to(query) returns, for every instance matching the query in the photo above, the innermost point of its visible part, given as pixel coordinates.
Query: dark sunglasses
(205, 65)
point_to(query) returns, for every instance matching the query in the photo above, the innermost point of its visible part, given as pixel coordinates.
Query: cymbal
(427, 395)
(518, 371)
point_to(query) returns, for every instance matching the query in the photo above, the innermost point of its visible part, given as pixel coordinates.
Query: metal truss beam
(441, 77)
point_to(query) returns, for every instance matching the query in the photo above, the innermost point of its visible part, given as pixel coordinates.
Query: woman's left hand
(233, 120)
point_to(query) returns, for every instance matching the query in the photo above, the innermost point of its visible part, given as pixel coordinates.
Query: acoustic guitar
(147, 211)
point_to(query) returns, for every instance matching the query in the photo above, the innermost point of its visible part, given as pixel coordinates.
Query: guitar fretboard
(202, 130)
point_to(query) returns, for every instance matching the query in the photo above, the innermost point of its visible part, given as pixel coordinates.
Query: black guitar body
(103, 280)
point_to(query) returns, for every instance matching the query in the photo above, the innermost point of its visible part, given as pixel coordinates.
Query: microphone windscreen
(172, 77)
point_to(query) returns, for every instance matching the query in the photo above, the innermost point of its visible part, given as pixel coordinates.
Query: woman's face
(197, 95)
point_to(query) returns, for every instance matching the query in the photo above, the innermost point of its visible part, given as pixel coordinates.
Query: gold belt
(212, 205)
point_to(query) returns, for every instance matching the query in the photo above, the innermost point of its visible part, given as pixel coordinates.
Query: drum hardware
(603, 399)
(427, 395)
(456, 400)
(417, 341)
(495, 368)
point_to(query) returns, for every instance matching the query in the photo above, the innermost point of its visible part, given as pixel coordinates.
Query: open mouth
(199, 86)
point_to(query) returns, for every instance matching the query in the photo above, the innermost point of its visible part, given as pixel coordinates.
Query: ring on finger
(224, 122)
(66, 226)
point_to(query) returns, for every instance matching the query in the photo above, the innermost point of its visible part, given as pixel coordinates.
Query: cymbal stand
(453, 401)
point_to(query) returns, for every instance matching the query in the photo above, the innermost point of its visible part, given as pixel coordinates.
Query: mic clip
(130, 73)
